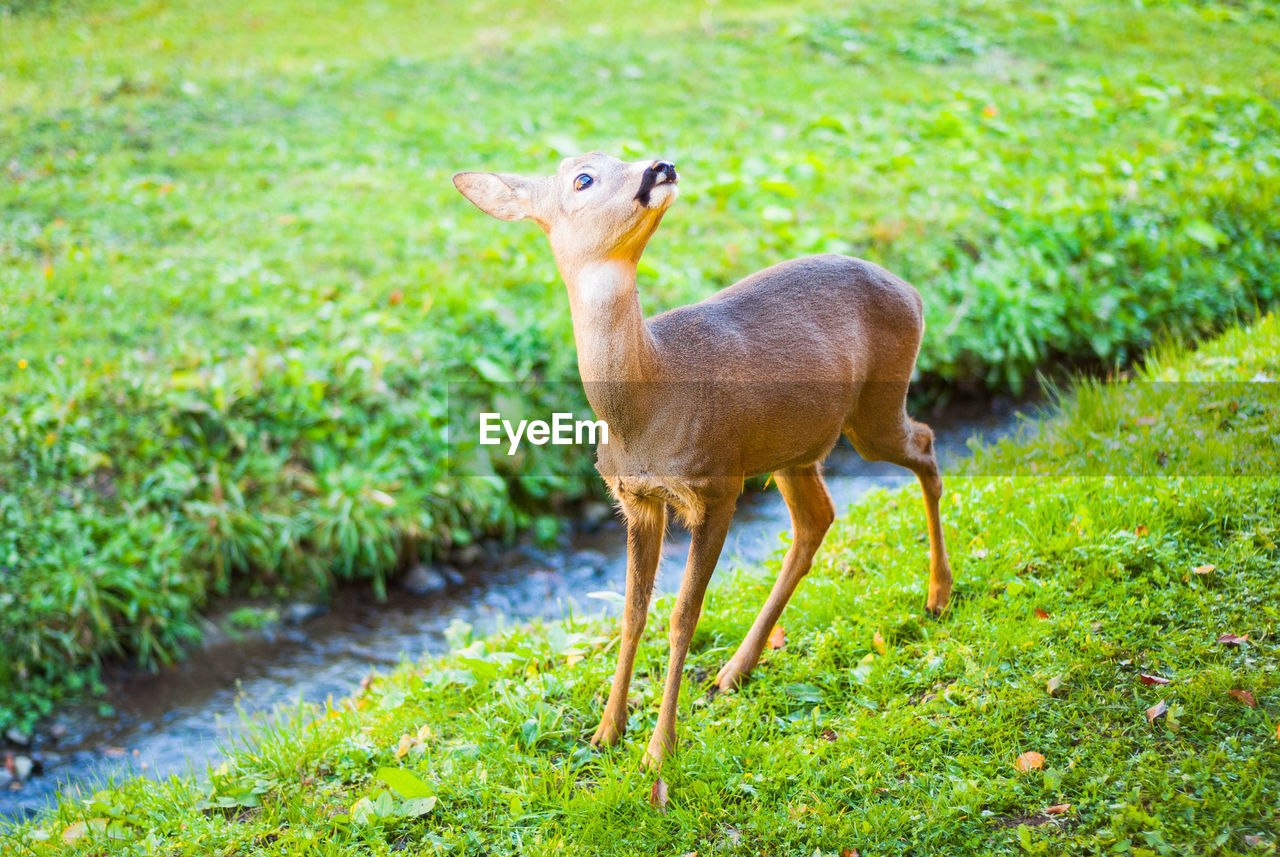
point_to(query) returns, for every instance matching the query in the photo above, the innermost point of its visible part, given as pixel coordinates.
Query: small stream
(183, 719)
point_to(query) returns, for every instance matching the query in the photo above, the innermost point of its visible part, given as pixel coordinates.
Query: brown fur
(763, 376)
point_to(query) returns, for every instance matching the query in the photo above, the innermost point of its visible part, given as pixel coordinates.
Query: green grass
(236, 276)
(874, 727)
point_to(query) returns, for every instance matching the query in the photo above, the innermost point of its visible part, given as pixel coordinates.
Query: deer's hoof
(653, 756)
(731, 675)
(607, 733)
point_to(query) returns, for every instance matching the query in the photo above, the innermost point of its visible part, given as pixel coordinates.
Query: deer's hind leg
(881, 431)
(811, 515)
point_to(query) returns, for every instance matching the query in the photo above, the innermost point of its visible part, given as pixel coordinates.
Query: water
(182, 719)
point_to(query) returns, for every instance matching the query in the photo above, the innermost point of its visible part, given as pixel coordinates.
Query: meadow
(1106, 681)
(236, 278)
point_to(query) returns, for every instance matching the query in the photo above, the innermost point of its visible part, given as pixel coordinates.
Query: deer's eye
(583, 182)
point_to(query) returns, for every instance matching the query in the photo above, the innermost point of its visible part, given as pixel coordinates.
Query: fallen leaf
(396, 298)
(990, 111)
(1233, 639)
(78, 829)
(829, 735)
(1140, 530)
(1057, 809)
(1029, 761)
(1204, 569)
(1147, 420)
(573, 658)
(1156, 710)
(1244, 696)
(405, 745)
(1152, 679)
(877, 643)
(658, 794)
(1041, 614)
(777, 637)
(1053, 685)
(849, 852)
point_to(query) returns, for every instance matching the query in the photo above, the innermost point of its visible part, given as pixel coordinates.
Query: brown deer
(761, 377)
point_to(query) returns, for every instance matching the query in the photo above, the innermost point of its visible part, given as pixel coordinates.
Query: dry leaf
(78, 829)
(1028, 761)
(658, 794)
(396, 298)
(573, 658)
(829, 735)
(1254, 841)
(1152, 679)
(777, 637)
(1057, 809)
(877, 643)
(1052, 685)
(405, 745)
(1204, 569)
(1156, 710)
(1233, 639)
(1244, 696)
(849, 852)
(1041, 614)
(1147, 420)
(1140, 530)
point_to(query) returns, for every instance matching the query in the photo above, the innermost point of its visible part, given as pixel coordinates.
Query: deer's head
(595, 208)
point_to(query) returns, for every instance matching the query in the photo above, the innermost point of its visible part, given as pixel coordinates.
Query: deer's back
(818, 318)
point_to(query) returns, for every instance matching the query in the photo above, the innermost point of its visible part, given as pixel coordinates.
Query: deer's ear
(502, 195)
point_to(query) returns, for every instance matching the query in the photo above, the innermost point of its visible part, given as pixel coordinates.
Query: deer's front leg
(646, 523)
(708, 539)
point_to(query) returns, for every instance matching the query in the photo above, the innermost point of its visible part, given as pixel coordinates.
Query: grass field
(236, 277)
(1105, 682)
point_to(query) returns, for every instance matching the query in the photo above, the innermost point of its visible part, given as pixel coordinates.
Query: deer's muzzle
(659, 172)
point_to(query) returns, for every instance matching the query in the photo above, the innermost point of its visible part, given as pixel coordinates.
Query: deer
(762, 377)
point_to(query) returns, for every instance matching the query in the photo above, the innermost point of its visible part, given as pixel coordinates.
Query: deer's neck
(608, 326)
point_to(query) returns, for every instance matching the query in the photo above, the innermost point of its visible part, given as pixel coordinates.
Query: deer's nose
(665, 169)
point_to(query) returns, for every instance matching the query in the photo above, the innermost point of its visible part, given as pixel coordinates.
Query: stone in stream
(21, 768)
(425, 579)
(470, 554)
(300, 612)
(17, 736)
